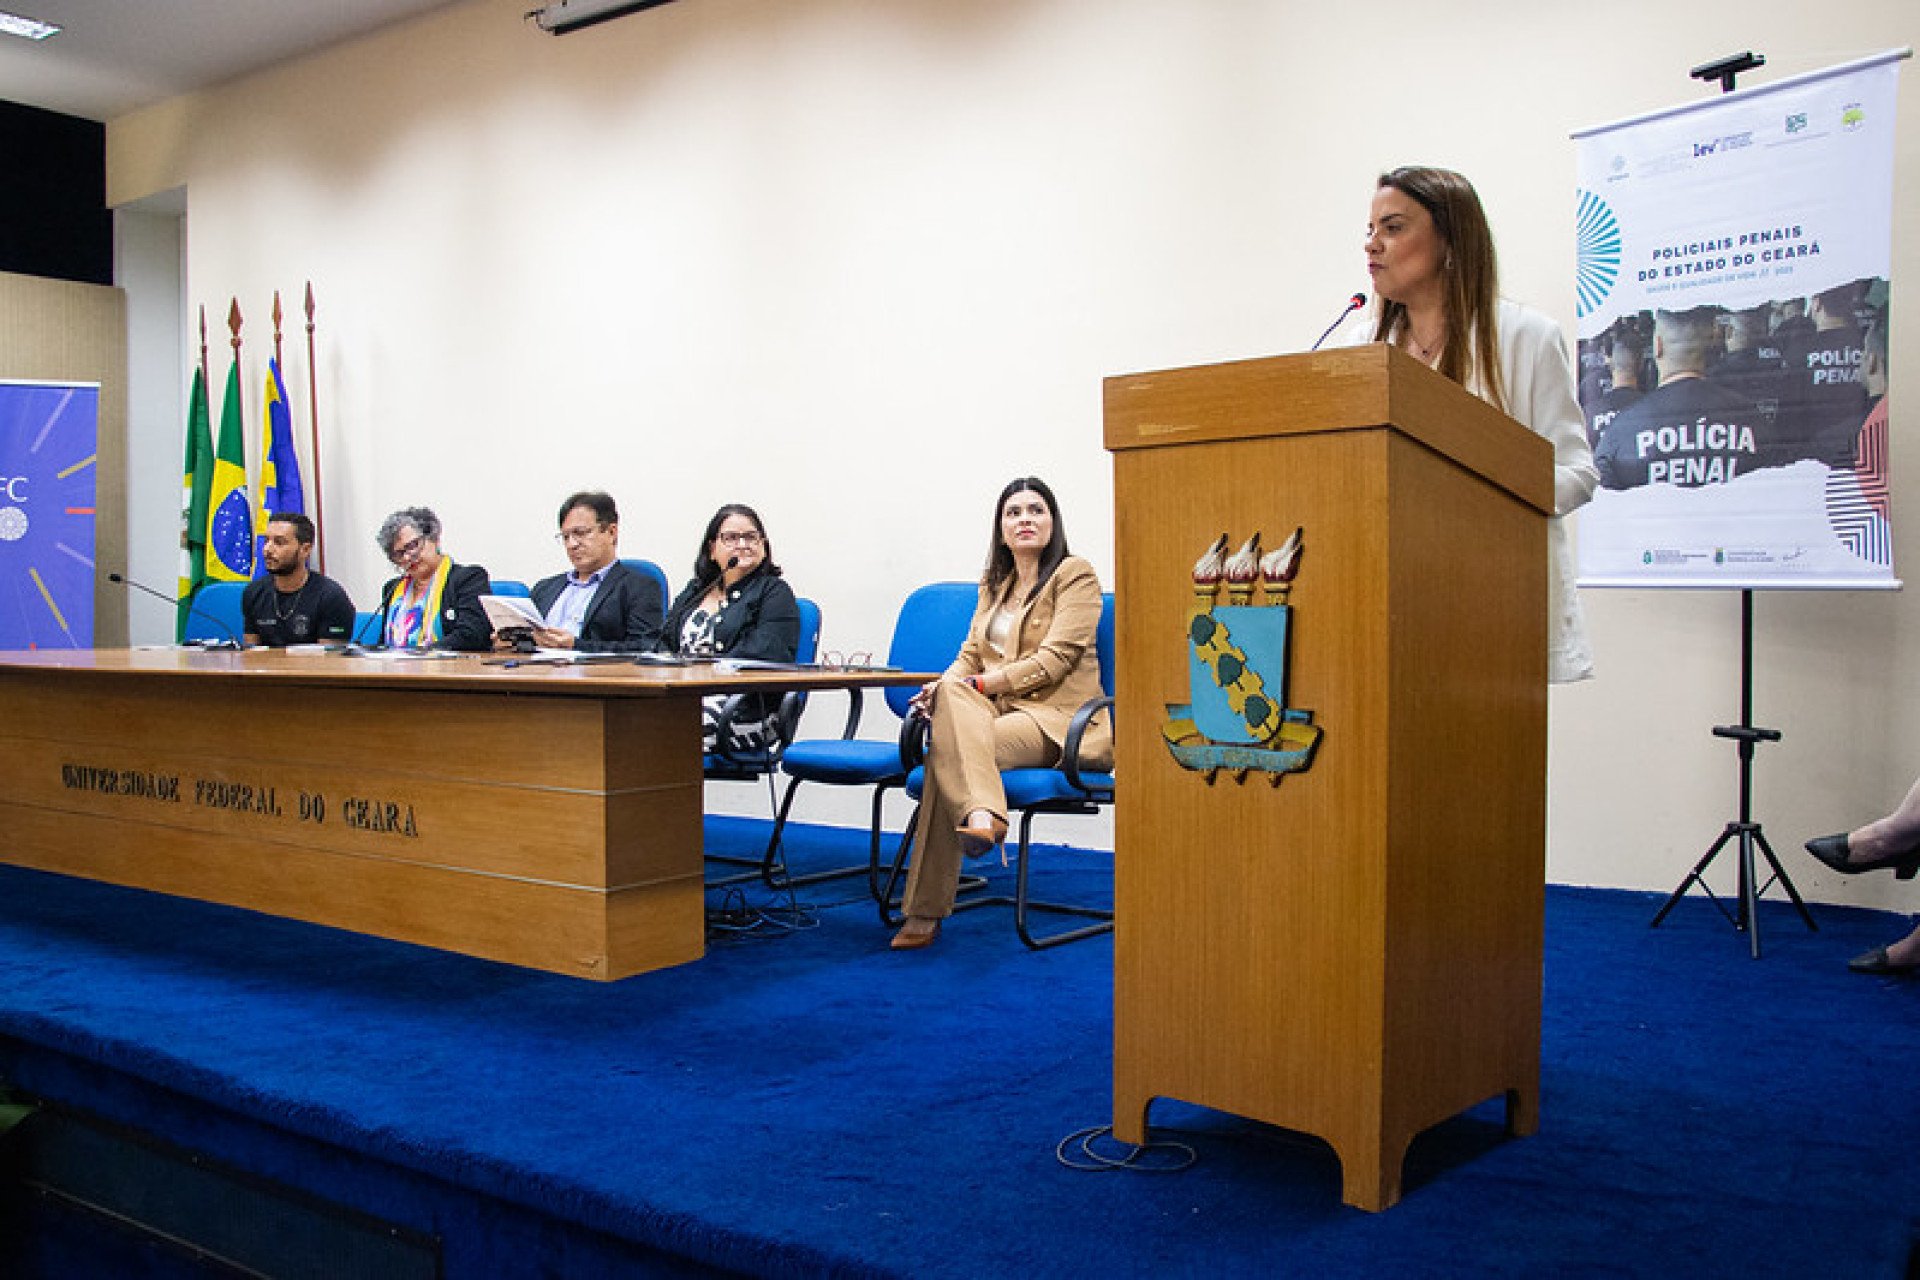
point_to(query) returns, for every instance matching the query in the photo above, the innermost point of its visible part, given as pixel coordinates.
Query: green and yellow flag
(229, 505)
(196, 484)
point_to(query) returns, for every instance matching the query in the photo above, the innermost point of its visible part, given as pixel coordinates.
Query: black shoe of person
(1877, 961)
(1833, 851)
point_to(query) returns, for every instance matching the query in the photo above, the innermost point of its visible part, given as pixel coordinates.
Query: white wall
(858, 262)
(147, 248)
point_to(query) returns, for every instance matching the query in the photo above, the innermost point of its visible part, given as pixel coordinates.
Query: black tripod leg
(1749, 899)
(1693, 876)
(1780, 874)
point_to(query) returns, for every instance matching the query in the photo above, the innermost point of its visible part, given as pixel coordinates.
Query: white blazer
(1541, 395)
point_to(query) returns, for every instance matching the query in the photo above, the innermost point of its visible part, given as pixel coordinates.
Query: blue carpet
(813, 1103)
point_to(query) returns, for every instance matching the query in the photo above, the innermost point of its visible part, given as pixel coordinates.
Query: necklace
(1423, 350)
(282, 609)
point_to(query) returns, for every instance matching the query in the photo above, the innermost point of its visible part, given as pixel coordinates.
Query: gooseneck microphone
(1354, 303)
(232, 641)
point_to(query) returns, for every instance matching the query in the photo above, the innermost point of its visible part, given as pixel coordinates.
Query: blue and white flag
(280, 489)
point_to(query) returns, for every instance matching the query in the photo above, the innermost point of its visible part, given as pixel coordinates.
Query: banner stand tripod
(1746, 733)
(1744, 829)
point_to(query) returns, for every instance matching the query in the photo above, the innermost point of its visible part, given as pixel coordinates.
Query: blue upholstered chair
(1064, 789)
(508, 587)
(730, 763)
(929, 630)
(648, 569)
(216, 613)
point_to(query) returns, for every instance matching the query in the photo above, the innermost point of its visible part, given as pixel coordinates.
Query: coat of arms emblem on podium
(1238, 719)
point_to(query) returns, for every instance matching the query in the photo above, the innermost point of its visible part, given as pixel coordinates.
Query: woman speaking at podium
(1437, 295)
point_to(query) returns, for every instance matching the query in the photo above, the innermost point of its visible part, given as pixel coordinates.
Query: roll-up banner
(48, 436)
(1734, 261)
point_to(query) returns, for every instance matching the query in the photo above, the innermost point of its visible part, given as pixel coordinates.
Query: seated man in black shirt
(293, 604)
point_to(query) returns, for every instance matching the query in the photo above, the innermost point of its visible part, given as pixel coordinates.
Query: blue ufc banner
(48, 435)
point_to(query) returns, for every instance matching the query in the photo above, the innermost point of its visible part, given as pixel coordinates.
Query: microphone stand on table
(232, 641)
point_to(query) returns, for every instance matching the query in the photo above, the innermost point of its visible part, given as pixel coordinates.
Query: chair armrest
(786, 721)
(914, 731)
(1076, 730)
(723, 730)
(855, 701)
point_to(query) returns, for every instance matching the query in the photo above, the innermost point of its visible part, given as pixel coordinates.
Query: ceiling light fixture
(562, 16)
(14, 24)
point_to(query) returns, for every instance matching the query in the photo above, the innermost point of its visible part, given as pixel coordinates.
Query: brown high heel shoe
(978, 842)
(917, 932)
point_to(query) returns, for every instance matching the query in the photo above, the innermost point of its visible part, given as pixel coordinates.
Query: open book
(504, 612)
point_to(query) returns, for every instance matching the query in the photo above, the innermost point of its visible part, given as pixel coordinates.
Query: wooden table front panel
(561, 833)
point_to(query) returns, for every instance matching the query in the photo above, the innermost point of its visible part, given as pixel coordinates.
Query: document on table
(559, 658)
(511, 611)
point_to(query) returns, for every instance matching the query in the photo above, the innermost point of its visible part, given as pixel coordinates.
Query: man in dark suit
(601, 606)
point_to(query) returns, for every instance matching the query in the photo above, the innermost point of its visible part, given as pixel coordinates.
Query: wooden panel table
(542, 816)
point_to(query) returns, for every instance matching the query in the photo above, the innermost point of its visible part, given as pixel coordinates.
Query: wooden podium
(1353, 950)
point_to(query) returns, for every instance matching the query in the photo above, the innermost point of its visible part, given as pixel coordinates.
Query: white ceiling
(116, 55)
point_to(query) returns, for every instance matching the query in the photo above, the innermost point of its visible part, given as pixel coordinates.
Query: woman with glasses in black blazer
(737, 606)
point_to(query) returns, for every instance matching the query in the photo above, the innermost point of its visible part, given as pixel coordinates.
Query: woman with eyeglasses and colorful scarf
(434, 603)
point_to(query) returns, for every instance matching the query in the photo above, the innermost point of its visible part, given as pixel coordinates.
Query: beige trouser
(973, 738)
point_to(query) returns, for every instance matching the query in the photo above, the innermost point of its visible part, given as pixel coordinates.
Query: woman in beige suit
(1028, 664)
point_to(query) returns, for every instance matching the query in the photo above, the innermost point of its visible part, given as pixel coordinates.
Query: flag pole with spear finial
(266, 426)
(313, 422)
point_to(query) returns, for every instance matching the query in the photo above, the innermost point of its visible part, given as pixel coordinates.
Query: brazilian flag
(229, 505)
(196, 484)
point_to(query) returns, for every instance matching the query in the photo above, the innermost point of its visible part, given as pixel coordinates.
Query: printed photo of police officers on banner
(1733, 337)
(1699, 396)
